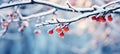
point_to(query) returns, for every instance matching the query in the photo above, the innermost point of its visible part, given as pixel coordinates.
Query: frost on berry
(21, 29)
(25, 23)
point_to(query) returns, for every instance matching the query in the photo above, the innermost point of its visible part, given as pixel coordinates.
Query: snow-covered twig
(80, 10)
(83, 16)
(86, 11)
(36, 15)
(111, 3)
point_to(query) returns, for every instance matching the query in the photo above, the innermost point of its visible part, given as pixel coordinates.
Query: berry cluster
(102, 18)
(11, 15)
(60, 30)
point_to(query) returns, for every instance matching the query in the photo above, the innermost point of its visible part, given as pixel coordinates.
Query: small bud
(25, 23)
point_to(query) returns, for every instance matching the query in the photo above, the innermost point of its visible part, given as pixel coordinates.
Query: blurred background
(85, 36)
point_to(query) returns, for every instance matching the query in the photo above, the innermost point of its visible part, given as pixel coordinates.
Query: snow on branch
(100, 10)
(71, 9)
(86, 12)
(36, 15)
(65, 8)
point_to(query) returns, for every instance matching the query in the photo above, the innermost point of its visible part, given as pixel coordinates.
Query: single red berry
(66, 28)
(36, 32)
(50, 31)
(93, 17)
(62, 24)
(102, 19)
(8, 15)
(11, 15)
(14, 16)
(21, 29)
(110, 18)
(61, 35)
(5, 25)
(58, 29)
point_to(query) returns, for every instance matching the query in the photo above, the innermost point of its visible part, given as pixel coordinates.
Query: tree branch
(64, 8)
(36, 15)
(83, 16)
(87, 11)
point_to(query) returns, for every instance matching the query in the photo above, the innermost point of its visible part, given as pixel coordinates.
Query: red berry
(61, 35)
(102, 19)
(66, 28)
(36, 32)
(5, 25)
(14, 16)
(58, 29)
(110, 18)
(62, 24)
(8, 15)
(93, 17)
(11, 15)
(50, 31)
